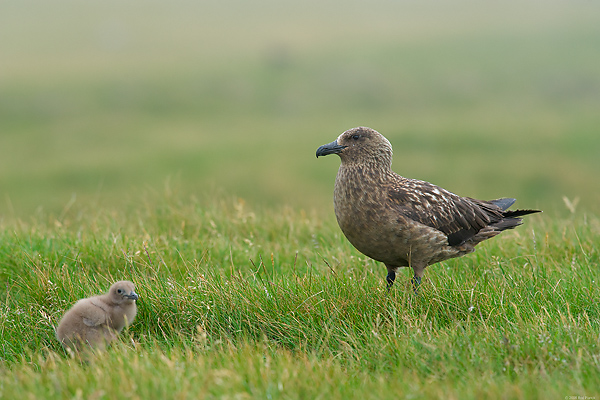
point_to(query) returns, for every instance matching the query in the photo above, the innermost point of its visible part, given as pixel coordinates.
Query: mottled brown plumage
(406, 222)
(94, 322)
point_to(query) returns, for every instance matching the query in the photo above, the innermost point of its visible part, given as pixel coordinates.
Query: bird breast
(358, 202)
(122, 316)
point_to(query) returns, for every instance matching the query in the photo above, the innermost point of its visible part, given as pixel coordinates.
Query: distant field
(104, 102)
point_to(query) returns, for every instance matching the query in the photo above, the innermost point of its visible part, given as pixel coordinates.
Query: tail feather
(501, 220)
(518, 213)
(507, 223)
(510, 218)
(503, 203)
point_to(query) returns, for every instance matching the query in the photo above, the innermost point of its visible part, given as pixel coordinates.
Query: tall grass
(260, 302)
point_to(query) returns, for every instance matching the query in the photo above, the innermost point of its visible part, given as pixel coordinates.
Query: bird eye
(119, 291)
(355, 137)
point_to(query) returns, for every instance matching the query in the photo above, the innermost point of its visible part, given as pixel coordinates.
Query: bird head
(123, 292)
(360, 145)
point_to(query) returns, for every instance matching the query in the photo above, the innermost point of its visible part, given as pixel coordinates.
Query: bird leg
(416, 280)
(391, 276)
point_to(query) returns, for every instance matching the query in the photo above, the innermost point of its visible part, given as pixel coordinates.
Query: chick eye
(355, 137)
(119, 291)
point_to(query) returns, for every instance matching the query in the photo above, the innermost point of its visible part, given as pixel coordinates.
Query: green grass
(237, 301)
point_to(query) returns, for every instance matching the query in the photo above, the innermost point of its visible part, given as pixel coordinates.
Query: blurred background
(105, 103)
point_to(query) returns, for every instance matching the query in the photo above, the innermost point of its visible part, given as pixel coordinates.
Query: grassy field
(173, 144)
(242, 302)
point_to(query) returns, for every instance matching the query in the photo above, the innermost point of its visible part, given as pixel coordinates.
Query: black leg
(391, 276)
(416, 281)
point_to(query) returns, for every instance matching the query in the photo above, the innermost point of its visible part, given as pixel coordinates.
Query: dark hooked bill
(330, 148)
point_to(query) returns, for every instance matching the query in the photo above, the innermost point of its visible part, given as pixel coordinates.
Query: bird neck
(374, 173)
(108, 300)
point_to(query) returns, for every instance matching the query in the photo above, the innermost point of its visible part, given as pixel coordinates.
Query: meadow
(174, 145)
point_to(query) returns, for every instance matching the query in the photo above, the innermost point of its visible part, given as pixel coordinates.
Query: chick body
(96, 321)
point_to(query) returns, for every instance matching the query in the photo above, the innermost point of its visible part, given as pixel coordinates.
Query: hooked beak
(133, 295)
(330, 148)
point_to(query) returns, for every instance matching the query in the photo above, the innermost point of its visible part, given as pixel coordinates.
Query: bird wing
(94, 313)
(459, 218)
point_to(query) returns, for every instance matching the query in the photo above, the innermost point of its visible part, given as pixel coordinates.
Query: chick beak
(330, 148)
(133, 295)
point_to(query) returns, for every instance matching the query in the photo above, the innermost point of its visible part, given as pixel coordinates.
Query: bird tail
(507, 223)
(518, 213)
(506, 202)
(510, 218)
(503, 203)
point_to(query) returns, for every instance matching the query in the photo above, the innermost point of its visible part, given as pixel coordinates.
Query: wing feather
(94, 312)
(459, 218)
